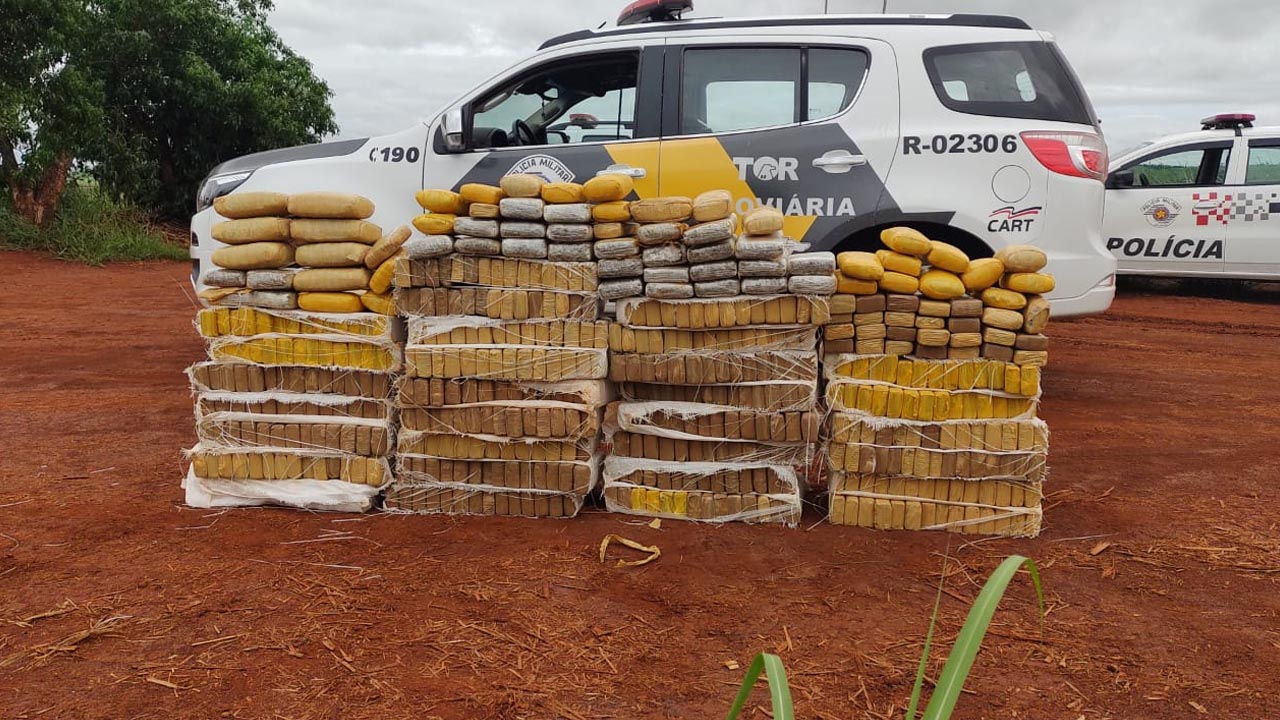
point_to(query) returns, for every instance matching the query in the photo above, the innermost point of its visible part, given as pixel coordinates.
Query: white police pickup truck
(1199, 204)
(972, 128)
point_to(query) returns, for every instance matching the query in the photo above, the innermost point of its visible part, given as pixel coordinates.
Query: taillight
(1069, 153)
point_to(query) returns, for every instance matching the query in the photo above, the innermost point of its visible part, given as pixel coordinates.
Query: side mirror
(454, 129)
(1120, 179)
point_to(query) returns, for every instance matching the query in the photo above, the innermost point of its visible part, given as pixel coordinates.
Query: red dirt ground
(1160, 555)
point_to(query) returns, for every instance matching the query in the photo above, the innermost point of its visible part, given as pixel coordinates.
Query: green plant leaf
(918, 687)
(950, 683)
(779, 690)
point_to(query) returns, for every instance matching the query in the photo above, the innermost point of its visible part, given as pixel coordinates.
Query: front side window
(730, 89)
(585, 99)
(1186, 167)
(1264, 166)
(1015, 79)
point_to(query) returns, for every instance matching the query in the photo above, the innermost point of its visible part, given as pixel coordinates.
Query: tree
(50, 108)
(147, 95)
(190, 83)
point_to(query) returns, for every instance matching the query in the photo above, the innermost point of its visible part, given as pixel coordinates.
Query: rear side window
(1015, 80)
(1264, 166)
(726, 89)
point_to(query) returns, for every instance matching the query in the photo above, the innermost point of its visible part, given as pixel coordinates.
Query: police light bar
(642, 11)
(1228, 121)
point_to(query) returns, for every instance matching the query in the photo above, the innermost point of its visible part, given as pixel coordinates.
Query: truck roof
(676, 26)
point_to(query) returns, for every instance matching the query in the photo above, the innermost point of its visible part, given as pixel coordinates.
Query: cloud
(1151, 68)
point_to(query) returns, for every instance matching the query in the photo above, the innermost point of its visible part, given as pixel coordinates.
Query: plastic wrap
(982, 449)
(330, 351)
(975, 375)
(489, 331)
(700, 421)
(623, 339)
(680, 450)
(330, 495)
(275, 464)
(355, 436)
(496, 273)
(775, 395)
(500, 303)
(242, 377)
(724, 313)
(245, 321)
(506, 362)
(715, 367)
(977, 507)
(707, 492)
(285, 403)
(480, 500)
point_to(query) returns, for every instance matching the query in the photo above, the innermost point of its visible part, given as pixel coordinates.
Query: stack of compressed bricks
(938, 435)
(718, 415)
(292, 395)
(505, 354)
(927, 299)
(313, 251)
(676, 248)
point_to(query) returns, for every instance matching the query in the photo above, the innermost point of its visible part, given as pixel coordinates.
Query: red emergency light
(642, 11)
(1228, 121)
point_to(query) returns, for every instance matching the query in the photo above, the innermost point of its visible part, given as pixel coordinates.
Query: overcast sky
(1151, 67)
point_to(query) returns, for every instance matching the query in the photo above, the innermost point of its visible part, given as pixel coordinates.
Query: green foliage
(190, 83)
(954, 673)
(147, 95)
(779, 690)
(89, 227)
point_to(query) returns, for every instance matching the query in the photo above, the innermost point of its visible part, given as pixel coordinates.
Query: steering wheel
(522, 134)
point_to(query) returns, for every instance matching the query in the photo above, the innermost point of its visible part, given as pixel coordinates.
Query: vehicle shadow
(1218, 289)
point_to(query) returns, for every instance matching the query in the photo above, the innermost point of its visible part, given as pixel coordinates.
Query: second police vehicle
(1199, 204)
(972, 128)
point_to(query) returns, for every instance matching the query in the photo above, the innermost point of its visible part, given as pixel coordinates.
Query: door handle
(632, 172)
(839, 161)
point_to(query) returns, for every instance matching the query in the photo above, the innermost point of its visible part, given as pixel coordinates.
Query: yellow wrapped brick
(1000, 318)
(337, 280)
(387, 247)
(445, 202)
(611, 212)
(763, 220)
(712, 205)
(380, 281)
(330, 302)
(860, 265)
(383, 304)
(484, 211)
(251, 230)
(662, 209)
(941, 285)
(325, 255)
(899, 263)
(948, 257)
(895, 282)
(1022, 258)
(1030, 282)
(609, 188)
(1036, 315)
(852, 286)
(1001, 298)
(982, 274)
(907, 241)
(342, 206)
(254, 256)
(435, 223)
(478, 193)
(608, 231)
(562, 193)
(316, 231)
(240, 205)
(522, 186)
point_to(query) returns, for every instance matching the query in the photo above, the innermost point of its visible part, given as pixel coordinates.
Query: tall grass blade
(779, 690)
(954, 673)
(918, 687)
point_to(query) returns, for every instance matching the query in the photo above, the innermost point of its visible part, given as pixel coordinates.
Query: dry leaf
(1199, 708)
(654, 552)
(656, 524)
(1097, 549)
(730, 664)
